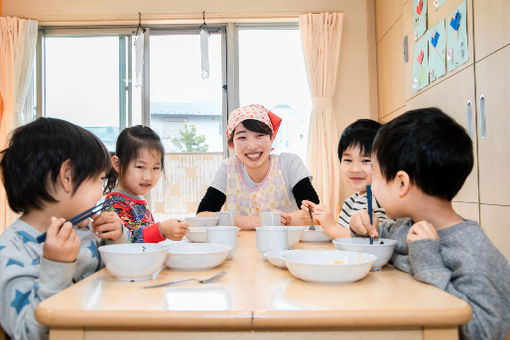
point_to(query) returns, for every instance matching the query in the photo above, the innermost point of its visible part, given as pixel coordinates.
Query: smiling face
(356, 168)
(141, 174)
(252, 148)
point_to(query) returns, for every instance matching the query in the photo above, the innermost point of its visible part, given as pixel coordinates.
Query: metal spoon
(312, 227)
(212, 279)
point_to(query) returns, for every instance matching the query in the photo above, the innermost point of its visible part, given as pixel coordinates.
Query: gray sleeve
(293, 169)
(23, 286)
(473, 287)
(219, 181)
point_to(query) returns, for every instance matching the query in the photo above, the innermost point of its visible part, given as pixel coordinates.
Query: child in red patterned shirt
(137, 166)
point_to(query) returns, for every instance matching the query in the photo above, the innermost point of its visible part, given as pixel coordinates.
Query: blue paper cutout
(455, 22)
(435, 39)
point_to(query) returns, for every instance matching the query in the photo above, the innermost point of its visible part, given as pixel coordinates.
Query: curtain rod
(180, 18)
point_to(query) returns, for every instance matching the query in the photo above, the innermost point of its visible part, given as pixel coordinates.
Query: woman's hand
(107, 225)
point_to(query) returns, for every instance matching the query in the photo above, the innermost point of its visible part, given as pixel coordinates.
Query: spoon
(212, 279)
(312, 227)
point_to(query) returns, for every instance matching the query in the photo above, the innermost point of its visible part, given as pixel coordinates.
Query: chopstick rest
(82, 216)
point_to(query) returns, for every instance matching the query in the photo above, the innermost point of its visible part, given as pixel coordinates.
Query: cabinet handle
(483, 118)
(469, 112)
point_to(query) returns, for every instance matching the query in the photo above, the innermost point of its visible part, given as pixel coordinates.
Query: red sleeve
(151, 233)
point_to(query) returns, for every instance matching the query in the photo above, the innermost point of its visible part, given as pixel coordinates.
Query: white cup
(269, 219)
(271, 238)
(224, 235)
(225, 217)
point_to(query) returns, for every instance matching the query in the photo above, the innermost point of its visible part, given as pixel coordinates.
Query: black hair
(431, 147)
(129, 143)
(34, 157)
(360, 134)
(254, 126)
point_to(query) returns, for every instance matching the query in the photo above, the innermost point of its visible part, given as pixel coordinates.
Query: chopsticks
(369, 207)
(80, 217)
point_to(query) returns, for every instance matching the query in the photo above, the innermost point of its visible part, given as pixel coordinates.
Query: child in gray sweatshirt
(420, 161)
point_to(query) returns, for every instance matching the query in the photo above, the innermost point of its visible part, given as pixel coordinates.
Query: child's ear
(404, 183)
(66, 176)
(116, 164)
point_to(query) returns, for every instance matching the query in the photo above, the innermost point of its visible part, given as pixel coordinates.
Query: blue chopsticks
(80, 217)
(369, 206)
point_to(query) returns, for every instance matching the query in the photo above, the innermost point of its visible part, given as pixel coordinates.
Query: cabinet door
(452, 96)
(467, 210)
(390, 67)
(492, 26)
(492, 82)
(386, 14)
(494, 221)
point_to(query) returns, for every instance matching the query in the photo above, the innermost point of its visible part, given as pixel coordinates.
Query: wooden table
(254, 300)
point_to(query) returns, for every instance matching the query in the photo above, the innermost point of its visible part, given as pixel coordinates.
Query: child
(137, 166)
(354, 152)
(421, 160)
(254, 180)
(52, 170)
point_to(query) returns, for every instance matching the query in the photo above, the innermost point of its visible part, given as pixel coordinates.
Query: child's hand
(320, 212)
(422, 230)
(107, 225)
(360, 224)
(173, 229)
(62, 243)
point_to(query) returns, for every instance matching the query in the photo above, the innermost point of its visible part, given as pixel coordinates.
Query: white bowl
(294, 234)
(316, 235)
(383, 251)
(196, 256)
(201, 221)
(328, 266)
(275, 257)
(197, 234)
(133, 261)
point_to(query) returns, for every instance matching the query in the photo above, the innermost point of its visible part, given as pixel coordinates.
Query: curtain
(321, 35)
(18, 38)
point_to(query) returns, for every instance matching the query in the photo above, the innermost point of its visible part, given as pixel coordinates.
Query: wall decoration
(457, 52)
(420, 77)
(438, 3)
(437, 50)
(420, 17)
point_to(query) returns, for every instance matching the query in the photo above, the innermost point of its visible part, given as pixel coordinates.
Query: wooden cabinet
(455, 96)
(492, 82)
(495, 222)
(469, 211)
(492, 26)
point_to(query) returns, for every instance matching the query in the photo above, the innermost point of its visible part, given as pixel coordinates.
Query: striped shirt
(359, 202)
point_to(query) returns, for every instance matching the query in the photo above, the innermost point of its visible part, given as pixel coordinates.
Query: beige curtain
(321, 35)
(18, 38)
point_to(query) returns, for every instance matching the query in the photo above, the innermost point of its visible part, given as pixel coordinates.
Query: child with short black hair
(137, 166)
(421, 160)
(354, 153)
(52, 170)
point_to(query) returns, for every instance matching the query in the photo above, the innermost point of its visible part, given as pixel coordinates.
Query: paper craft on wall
(420, 64)
(457, 52)
(420, 17)
(438, 3)
(437, 51)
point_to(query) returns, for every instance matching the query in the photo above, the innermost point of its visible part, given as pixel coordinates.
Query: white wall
(355, 95)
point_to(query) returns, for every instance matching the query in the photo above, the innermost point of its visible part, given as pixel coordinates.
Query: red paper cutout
(419, 7)
(420, 56)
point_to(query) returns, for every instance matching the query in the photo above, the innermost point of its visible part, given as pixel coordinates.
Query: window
(86, 76)
(272, 73)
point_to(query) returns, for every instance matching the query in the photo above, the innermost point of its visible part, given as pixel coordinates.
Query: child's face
(356, 169)
(252, 148)
(142, 173)
(86, 196)
(386, 192)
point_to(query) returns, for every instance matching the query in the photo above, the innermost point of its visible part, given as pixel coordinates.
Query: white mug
(225, 217)
(224, 235)
(269, 218)
(271, 238)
